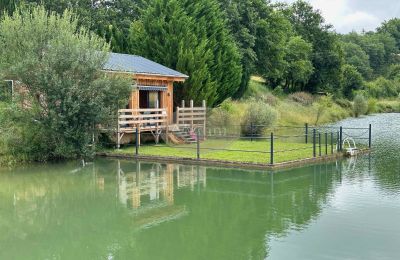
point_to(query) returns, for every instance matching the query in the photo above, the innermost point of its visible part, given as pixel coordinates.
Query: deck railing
(193, 117)
(136, 120)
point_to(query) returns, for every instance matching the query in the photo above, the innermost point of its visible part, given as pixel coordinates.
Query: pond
(115, 209)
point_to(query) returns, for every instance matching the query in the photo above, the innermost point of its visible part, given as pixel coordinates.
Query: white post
(191, 116)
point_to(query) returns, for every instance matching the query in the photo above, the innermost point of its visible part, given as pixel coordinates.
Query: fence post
(340, 138)
(314, 144)
(272, 148)
(251, 131)
(326, 143)
(137, 142)
(370, 136)
(331, 142)
(198, 144)
(306, 126)
(319, 143)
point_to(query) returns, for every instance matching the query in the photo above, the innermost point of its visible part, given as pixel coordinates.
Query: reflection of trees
(238, 210)
(193, 212)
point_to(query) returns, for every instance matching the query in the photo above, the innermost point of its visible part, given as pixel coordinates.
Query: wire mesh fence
(250, 143)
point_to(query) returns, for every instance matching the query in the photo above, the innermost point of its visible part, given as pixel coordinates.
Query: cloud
(358, 15)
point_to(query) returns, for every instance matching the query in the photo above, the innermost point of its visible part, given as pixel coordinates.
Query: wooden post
(205, 122)
(118, 134)
(191, 117)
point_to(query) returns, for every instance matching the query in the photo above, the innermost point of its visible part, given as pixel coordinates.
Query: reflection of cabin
(151, 104)
(149, 190)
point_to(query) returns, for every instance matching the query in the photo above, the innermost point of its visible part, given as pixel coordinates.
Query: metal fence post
(198, 144)
(137, 142)
(326, 143)
(340, 138)
(306, 126)
(272, 148)
(314, 144)
(319, 143)
(252, 131)
(370, 136)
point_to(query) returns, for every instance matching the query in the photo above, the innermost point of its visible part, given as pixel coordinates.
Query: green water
(126, 210)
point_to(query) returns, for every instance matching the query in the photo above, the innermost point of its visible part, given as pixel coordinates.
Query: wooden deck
(156, 121)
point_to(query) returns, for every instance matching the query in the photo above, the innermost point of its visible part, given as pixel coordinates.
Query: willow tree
(191, 38)
(59, 64)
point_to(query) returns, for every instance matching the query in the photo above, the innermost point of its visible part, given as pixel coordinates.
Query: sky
(355, 15)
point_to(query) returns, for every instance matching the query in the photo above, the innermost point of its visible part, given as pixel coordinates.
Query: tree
(356, 56)
(351, 80)
(299, 65)
(59, 64)
(109, 19)
(392, 27)
(261, 32)
(327, 57)
(193, 39)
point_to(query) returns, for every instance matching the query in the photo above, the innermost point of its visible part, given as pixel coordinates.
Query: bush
(372, 105)
(303, 98)
(270, 99)
(259, 115)
(381, 88)
(53, 57)
(344, 103)
(360, 105)
(278, 91)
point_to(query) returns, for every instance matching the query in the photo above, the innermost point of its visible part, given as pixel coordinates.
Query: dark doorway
(149, 99)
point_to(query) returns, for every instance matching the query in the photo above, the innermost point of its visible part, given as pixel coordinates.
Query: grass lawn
(250, 151)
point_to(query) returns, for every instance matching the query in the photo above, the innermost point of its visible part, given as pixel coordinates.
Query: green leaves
(59, 64)
(191, 38)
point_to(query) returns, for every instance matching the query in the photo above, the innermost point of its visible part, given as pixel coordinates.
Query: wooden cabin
(151, 103)
(153, 83)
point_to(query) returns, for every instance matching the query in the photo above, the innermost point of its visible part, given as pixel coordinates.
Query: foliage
(360, 105)
(372, 105)
(327, 55)
(303, 98)
(193, 39)
(382, 87)
(260, 116)
(322, 105)
(352, 80)
(67, 94)
(354, 55)
(299, 66)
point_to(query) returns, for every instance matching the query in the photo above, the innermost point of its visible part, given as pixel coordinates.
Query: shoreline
(231, 164)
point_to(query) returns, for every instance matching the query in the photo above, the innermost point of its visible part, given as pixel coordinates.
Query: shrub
(278, 91)
(344, 103)
(260, 115)
(270, 99)
(360, 105)
(303, 98)
(322, 105)
(372, 105)
(60, 66)
(382, 87)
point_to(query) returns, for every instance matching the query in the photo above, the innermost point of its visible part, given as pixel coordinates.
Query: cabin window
(6, 91)
(149, 99)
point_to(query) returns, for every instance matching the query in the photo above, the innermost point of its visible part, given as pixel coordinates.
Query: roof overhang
(150, 76)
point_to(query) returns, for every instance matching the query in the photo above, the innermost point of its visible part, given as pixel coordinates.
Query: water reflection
(118, 209)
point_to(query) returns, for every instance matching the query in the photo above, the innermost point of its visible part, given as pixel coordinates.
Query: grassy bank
(297, 109)
(236, 151)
